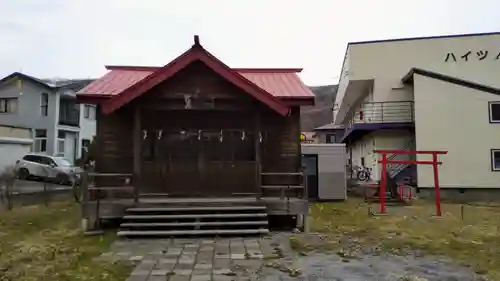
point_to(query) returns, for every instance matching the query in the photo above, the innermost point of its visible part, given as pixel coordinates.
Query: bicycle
(363, 173)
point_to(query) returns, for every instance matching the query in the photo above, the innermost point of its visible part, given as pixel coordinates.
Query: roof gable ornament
(197, 41)
(198, 100)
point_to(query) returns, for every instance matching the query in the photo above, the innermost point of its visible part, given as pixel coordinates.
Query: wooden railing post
(135, 189)
(97, 223)
(84, 186)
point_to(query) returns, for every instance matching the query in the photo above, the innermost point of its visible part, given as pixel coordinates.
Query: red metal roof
(114, 82)
(123, 83)
(281, 83)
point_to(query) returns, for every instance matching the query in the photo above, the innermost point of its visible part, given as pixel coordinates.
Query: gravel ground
(321, 267)
(364, 267)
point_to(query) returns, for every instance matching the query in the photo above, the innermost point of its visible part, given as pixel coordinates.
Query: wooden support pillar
(295, 122)
(137, 139)
(257, 138)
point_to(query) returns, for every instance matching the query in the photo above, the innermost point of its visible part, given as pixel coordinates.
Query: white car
(46, 167)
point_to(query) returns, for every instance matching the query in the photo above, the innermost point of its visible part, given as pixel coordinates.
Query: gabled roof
(408, 78)
(70, 84)
(426, 38)
(26, 77)
(125, 83)
(330, 126)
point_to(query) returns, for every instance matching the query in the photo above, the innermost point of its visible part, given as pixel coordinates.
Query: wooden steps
(167, 224)
(198, 218)
(197, 208)
(189, 216)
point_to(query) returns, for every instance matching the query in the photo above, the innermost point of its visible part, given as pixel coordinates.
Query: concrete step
(160, 216)
(180, 224)
(167, 233)
(195, 216)
(197, 208)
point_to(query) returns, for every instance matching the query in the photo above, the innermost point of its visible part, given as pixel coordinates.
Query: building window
(494, 110)
(89, 112)
(44, 104)
(85, 147)
(495, 159)
(61, 137)
(8, 105)
(40, 140)
(330, 138)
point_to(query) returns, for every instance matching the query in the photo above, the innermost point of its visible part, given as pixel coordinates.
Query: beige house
(433, 93)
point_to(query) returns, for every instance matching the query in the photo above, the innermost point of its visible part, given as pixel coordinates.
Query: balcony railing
(383, 112)
(69, 114)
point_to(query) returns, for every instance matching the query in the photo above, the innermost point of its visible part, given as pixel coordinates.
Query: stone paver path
(195, 259)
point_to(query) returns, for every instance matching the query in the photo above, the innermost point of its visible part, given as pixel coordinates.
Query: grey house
(59, 126)
(329, 133)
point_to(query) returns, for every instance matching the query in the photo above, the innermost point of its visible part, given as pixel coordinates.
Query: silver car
(46, 167)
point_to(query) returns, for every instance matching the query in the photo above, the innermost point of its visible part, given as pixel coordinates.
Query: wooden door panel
(203, 158)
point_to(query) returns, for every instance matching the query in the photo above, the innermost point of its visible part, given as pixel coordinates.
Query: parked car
(46, 167)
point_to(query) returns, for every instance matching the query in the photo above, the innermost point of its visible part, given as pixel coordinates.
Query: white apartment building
(433, 93)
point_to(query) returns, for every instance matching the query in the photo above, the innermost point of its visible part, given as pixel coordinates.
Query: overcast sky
(76, 38)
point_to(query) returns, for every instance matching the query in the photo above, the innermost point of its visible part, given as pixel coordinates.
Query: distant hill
(321, 113)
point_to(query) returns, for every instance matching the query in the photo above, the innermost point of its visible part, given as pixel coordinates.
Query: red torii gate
(384, 161)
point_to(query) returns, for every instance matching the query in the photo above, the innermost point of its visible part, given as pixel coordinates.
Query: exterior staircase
(395, 173)
(194, 218)
(396, 169)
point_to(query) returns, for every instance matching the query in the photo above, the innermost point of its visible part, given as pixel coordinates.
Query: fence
(15, 192)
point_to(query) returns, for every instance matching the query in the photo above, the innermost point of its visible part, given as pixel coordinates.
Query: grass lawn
(45, 243)
(473, 241)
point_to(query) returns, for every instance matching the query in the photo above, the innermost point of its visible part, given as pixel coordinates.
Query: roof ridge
(408, 78)
(238, 69)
